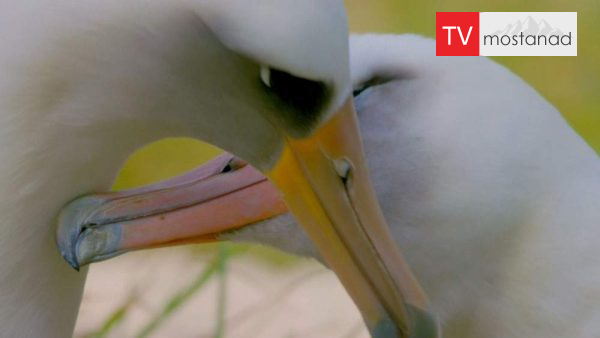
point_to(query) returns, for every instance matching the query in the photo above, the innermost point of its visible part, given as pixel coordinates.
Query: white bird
(86, 83)
(491, 195)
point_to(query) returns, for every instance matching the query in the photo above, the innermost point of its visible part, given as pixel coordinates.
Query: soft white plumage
(491, 195)
(86, 83)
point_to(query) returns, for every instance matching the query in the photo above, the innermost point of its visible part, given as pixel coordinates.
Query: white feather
(490, 194)
(85, 83)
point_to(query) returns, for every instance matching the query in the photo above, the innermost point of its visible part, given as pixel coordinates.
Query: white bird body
(84, 84)
(52, 151)
(495, 208)
(493, 198)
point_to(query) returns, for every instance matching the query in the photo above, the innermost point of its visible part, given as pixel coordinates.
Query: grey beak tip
(71, 222)
(82, 241)
(66, 245)
(73, 264)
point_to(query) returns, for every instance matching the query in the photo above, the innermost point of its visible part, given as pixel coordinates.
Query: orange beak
(324, 182)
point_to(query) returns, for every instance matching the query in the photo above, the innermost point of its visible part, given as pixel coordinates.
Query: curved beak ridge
(325, 183)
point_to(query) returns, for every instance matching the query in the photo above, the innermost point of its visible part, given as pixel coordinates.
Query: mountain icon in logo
(529, 27)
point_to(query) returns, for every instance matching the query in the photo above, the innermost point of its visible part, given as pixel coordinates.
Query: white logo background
(530, 23)
(529, 27)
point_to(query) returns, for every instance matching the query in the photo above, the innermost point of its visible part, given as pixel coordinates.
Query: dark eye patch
(304, 98)
(373, 82)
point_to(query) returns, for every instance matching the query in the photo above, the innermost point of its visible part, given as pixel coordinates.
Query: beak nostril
(343, 168)
(88, 226)
(234, 164)
(227, 168)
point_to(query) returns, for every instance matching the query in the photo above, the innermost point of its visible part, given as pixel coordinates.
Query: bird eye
(305, 98)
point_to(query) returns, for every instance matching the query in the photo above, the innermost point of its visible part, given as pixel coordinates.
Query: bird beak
(219, 196)
(324, 182)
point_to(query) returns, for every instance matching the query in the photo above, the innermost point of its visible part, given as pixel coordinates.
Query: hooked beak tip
(66, 240)
(70, 257)
(70, 227)
(74, 266)
(67, 245)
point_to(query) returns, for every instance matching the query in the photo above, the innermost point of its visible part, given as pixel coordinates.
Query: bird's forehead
(307, 38)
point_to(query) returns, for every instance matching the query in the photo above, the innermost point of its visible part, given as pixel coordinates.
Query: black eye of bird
(306, 98)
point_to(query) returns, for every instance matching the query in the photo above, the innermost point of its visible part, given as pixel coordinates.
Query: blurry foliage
(113, 320)
(163, 159)
(215, 268)
(268, 256)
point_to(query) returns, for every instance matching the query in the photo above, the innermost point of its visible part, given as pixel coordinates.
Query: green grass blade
(113, 321)
(224, 252)
(185, 294)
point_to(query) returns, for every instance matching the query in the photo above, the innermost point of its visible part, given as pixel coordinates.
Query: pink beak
(222, 195)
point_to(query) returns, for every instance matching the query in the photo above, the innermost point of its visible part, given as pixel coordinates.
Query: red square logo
(457, 33)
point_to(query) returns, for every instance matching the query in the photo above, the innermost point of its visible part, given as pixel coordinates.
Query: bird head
(269, 81)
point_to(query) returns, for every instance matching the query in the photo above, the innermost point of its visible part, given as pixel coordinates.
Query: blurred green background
(570, 83)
